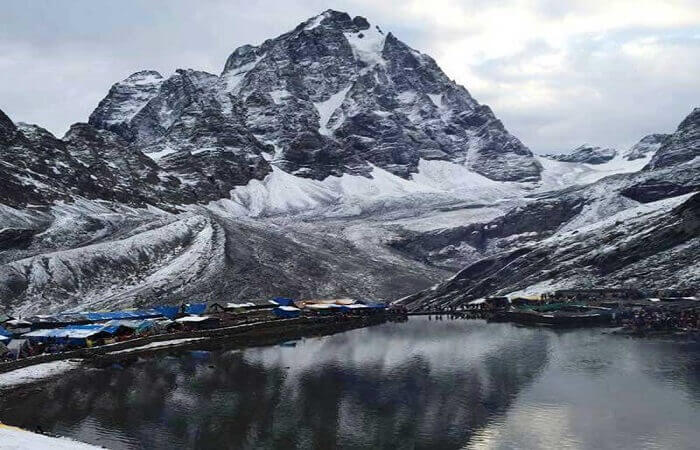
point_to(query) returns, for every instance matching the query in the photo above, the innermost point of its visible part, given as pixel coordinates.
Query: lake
(447, 384)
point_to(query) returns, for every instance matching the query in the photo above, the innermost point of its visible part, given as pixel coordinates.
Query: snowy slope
(12, 438)
(434, 182)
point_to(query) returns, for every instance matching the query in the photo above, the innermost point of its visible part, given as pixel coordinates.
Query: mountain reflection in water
(445, 384)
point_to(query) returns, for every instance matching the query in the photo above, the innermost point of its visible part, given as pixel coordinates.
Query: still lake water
(422, 384)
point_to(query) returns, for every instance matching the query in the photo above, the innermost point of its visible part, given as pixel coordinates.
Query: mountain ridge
(331, 160)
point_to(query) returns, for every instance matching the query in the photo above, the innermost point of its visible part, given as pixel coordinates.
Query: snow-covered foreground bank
(31, 374)
(12, 438)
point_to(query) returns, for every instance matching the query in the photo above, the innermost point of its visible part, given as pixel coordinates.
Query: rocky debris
(680, 147)
(647, 146)
(33, 167)
(587, 154)
(649, 251)
(452, 248)
(660, 184)
(183, 256)
(176, 253)
(546, 215)
(15, 237)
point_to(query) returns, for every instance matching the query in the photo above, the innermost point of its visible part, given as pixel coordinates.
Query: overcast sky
(558, 73)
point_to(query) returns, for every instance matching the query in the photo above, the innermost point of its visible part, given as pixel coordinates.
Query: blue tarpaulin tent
(168, 311)
(195, 308)
(283, 301)
(286, 312)
(72, 336)
(4, 332)
(137, 326)
(119, 315)
(377, 306)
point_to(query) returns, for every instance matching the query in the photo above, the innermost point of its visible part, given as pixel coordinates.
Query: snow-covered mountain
(330, 160)
(683, 146)
(334, 96)
(639, 230)
(647, 146)
(587, 154)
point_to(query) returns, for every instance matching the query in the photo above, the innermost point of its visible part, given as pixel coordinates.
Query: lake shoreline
(246, 335)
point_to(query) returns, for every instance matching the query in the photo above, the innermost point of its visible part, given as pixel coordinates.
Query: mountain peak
(143, 77)
(125, 99)
(647, 146)
(680, 147)
(335, 19)
(586, 153)
(336, 95)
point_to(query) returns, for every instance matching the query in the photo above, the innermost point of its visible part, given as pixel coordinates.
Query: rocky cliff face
(587, 154)
(647, 146)
(649, 249)
(682, 146)
(335, 95)
(638, 230)
(330, 160)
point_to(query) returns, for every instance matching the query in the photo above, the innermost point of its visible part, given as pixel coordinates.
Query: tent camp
(134, 326)
(170, 312)
(4, 333)
(19, 348)
(195, 308)
(77, 335)
(17, 323)
(287, 312)
(198, 322)
(282, 301)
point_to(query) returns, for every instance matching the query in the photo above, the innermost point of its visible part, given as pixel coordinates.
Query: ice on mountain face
(284, 193)
(560, 174)
(327, 108)
(587, 154)
(680, 147)
(436, 99)
(232, 78)
(156, 156)
(367, 46)
(646, 147)
(462, 183)
(278, 95)
(316, 21)
(281, 192)
(126, 98)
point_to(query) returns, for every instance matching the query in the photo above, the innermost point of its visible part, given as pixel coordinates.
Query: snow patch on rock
(326, 109)
(367, 46)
